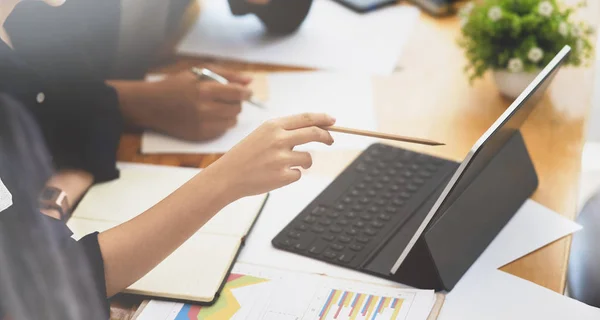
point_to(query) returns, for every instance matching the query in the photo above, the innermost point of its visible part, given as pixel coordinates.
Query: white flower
(563, 29)
(467, 8)
(535, 54)
(515, 65)
(545, 9)
(495, 13)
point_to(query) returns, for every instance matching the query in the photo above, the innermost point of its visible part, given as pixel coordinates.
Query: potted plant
(516, 38)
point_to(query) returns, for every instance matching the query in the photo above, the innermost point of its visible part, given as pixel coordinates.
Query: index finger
(306, 120)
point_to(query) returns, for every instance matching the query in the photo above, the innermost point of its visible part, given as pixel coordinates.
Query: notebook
(197, 270)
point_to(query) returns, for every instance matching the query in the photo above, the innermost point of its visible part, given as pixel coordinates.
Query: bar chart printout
(342, 305)
(258, 293)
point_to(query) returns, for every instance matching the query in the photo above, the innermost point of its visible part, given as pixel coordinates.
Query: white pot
(511, 84)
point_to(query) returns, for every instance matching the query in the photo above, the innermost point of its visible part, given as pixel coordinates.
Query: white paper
(269, 294)
(332, 38)
(347, 97)
(5, 197)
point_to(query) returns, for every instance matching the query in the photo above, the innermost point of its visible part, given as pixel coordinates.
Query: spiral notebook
(197, 270)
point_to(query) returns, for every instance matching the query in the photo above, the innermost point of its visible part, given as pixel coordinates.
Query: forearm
(136, 101)
(74, 183)
(134, 248)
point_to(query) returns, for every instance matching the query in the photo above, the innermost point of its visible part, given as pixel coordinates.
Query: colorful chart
(226, 306)
(344, 305)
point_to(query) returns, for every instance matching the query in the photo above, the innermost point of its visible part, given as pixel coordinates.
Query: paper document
(332, 38)
(5, 197)
(347, 97)
(261, 293)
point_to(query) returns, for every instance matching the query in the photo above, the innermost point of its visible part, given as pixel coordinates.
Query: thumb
(232, 76)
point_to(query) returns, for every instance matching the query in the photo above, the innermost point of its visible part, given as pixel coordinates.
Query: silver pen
(203, 73)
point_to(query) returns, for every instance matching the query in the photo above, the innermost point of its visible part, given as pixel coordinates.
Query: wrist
(224, 189)
(135, 100)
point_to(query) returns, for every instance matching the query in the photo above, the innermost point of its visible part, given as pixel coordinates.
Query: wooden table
(430, 97)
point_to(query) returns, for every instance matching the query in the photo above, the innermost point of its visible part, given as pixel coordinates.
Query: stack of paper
(348, 97)
(332, 38)
(196, 270)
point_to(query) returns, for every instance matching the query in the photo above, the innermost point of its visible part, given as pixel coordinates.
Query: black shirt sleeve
(279, 16)
(66, 60)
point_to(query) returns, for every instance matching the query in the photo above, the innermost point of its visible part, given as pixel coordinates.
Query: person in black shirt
(82, 39)
(63, 132)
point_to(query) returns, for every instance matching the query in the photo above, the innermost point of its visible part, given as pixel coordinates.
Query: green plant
(521, 35)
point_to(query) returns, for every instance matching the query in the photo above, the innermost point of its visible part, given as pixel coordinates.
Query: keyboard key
(371, 193)
(391, 210)
(381, 202)
(364, 200)
(347, 200)
(355, 247)
(369, 159)
(352, 232)
(384, 217)
(400, 180)
(346, 257)
(361, 167)
(425, 174)
(394, 188)
(377, 224)
(301, 246)
(342, 222)
(344, 239)
(337, 247)
(431, 167)
(404, 195)
(318, 247)
(386, 195)
(375, 172)
(366, 216)
(340, 207)
(309, 220)
(386, 179)
(392, 172)
(328, 237)
(351, 214)
(359, 224)
(357, 207)
(381, 165)
(301, 227)
(285, 243)
(333, 214)
(418, 181)
(325, 222)
(399, 165)
(370, 232)
(408, 174)
(318, 229)
(378, 186)
(362, 239)
(421, 158)
(294, 235)
(318, 211)
(398, 202)
(412, 188)
(361, 186)
(335, 229)
(368, 178)
(374, 209)
(329, 255)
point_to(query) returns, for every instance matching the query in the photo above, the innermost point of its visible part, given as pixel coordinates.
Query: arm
(74, 183)
(182, 106)
(263, 161)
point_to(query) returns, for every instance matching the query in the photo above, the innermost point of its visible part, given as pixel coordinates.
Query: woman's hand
(184, 107)
(266, 160)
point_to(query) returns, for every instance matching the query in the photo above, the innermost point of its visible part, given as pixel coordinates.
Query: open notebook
(197, 270)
